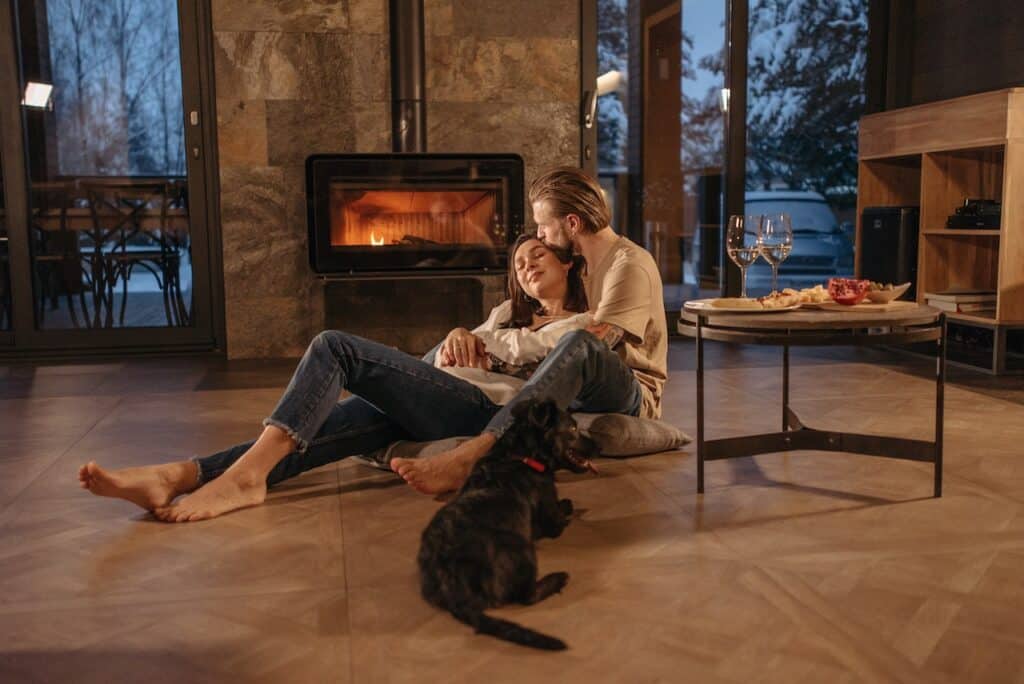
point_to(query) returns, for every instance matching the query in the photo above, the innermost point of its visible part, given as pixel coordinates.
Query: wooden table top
(904, 314)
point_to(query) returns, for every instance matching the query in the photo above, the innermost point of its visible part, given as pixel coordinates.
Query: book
(961, 296)
(976, 308)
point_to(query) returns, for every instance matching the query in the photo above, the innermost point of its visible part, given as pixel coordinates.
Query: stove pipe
(408, 108)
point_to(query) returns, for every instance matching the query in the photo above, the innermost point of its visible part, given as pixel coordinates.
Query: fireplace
(401, 214)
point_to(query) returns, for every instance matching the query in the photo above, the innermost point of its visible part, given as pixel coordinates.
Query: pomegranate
(848, 291)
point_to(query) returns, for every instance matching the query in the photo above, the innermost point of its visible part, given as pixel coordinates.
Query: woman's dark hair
(523, 305)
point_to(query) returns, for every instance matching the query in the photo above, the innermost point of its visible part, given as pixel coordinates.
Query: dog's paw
(558, 580)
(552, 583)
(565, 507)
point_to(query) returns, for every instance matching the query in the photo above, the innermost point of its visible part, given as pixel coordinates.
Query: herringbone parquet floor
(792, 567)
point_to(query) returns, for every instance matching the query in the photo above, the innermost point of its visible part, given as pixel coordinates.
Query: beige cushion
(616, 434)
(621, 435)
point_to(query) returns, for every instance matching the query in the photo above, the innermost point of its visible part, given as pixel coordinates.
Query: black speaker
(888, 246)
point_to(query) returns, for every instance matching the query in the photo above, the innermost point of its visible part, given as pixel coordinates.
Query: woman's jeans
(401, 397)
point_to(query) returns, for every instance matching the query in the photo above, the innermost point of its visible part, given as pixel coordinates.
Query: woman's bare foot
(232, 491)
(242, 485)
(149, 487)
(446, 471)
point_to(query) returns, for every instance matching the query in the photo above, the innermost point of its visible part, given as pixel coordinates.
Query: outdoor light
(611, 82)
(38, 95)
(724, 98)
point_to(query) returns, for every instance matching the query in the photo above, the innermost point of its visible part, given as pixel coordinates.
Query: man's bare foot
(444, 472)
(232, 491)
(148, 487)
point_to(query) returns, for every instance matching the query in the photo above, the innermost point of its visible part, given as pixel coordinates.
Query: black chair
(56, 257)
(130, 230)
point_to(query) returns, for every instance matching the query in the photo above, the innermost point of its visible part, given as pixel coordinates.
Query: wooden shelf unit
(935, 156)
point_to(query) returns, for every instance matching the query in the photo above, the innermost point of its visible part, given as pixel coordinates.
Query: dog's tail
(508, 631)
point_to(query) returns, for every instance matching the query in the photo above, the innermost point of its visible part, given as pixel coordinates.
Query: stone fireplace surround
(311, 76)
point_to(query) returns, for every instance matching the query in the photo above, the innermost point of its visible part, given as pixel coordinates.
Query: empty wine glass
(775, 242)
(741, 244)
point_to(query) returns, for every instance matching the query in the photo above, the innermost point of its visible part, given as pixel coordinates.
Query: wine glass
(775, 242)
(741, 244)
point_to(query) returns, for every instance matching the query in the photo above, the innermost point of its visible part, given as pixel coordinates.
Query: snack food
(735, 303)
(810, 295)
(780, 300)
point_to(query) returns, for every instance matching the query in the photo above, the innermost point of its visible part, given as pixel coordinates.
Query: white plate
(705, 306)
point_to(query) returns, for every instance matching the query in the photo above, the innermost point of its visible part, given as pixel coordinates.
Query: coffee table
(904, 324)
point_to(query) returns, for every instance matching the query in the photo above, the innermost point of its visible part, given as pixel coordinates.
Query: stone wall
(312, 76)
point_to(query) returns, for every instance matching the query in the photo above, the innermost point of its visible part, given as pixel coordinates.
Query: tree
(117, 77)
(612, 55)
(805, 93)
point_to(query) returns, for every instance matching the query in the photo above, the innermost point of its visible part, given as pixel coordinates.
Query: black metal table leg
(940, 397)
(700, 405)
(785, 387)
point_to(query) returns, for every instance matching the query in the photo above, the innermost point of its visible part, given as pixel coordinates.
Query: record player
(976, 214)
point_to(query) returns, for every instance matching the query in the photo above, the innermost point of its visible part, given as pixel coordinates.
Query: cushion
(621, 435)
(616, 434)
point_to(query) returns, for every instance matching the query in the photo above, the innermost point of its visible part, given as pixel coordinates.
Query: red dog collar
(535, 464)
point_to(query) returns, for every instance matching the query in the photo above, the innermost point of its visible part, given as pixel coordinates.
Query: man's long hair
(523, 305)
(571, 191)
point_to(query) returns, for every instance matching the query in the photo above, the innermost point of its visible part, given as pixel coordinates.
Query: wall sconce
(38, 95)
(611, 82)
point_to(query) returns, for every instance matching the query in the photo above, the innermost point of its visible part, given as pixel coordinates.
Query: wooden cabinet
(935, 156)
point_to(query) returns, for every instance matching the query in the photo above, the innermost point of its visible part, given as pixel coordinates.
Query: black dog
(478, 551)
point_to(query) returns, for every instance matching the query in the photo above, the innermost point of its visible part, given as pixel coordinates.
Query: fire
(376, 241)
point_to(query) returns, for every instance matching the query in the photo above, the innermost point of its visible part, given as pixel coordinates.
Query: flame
(376, 241)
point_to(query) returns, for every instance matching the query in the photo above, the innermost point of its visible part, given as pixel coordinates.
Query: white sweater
(515, 346)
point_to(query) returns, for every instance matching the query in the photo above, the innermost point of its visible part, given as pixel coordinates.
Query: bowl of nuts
(883, 293)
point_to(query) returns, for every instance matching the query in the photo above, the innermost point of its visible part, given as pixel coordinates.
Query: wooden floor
(792, 567)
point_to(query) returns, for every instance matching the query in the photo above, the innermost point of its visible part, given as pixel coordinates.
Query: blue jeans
(401, 397)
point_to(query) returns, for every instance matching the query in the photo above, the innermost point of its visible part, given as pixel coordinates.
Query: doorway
(106, 225)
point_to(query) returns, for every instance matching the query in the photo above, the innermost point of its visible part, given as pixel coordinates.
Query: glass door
(662, 111)
(6, 309)
(114, 224)
(806, 90)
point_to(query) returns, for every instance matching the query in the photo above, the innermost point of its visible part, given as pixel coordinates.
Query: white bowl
(886, 296)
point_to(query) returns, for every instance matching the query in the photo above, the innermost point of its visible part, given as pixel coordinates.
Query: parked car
(822, 247)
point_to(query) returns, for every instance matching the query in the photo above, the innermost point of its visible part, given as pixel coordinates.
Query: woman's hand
(463, 348)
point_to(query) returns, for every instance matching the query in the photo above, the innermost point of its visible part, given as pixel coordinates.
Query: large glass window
(612, 108)
(676, 97)
(109, 218)
(805, 93)
(5, 264)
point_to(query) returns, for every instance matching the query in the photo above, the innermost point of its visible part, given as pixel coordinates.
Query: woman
(455, 390)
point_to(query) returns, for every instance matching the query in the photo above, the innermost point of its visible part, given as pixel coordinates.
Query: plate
(705, 306)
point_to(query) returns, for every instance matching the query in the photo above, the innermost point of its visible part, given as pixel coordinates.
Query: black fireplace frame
(405, 170)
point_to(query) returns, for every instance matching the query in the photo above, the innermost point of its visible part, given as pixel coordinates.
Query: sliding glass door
(806, 90)
(713, 107)
(109, 229)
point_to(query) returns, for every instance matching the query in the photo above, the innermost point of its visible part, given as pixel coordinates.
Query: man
(619, 365)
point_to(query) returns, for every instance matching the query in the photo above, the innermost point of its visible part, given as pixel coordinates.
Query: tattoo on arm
(613, 336)
(608, 333)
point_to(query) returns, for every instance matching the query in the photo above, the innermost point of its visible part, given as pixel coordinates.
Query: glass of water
(741, 244)
(775, 242)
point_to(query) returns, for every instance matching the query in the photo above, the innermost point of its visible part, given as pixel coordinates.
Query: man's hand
(607, 333)
(463, 348)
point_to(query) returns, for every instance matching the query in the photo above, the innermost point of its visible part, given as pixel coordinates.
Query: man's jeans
(401, 397)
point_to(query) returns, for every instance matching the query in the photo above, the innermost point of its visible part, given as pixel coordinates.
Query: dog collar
(535, 464)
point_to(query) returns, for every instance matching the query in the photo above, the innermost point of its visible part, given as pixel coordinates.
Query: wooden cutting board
(865, 307)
